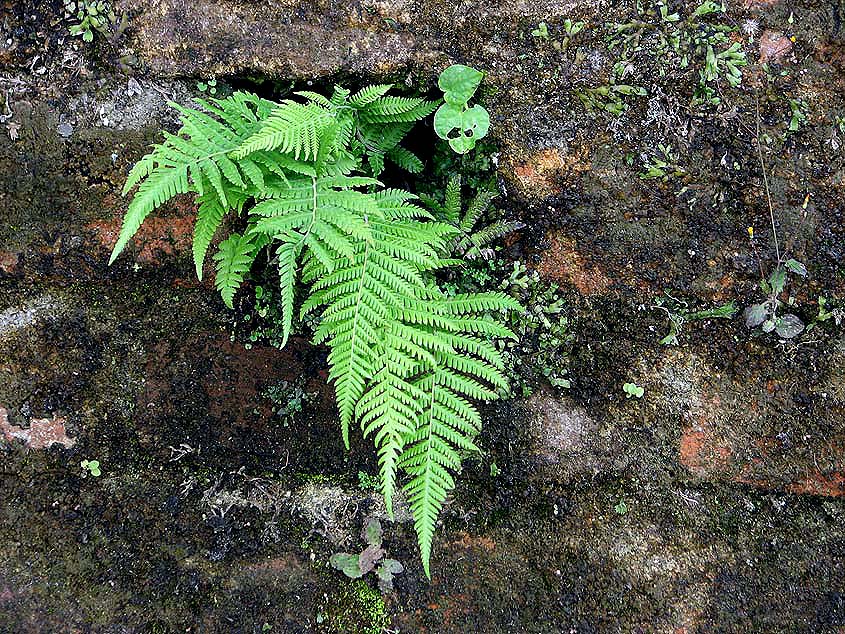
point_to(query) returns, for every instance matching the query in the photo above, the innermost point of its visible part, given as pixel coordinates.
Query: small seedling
(798, 116)
(94, 15)
(825, 313)
(356, 566)
(765, 314)
(542, 31)
(632, 389)
(569, 27)
(679, 314)
(621, 508)
(455, 121)
(367, 481)
(210, 86)
(91, 466)
(663, 165)
(494, 470)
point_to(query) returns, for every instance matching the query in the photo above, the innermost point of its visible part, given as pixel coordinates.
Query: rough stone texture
(774, 46)
(42, 433)
(712, 504)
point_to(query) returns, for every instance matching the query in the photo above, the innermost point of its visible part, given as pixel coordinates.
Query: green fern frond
(476, 208)
(160, 185)
(407, 362)
(139, 171)
(389, 410)
(452, 204)
(209, 216)
(397, 110)
(368, 95)
(473, 244)
(405, 159)
(234, 259)
(456, 368)
(288, 253)
(315, 97)
(192, 159)
(292, 128)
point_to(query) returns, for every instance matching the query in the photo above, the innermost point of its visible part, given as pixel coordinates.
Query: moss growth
(355, 608)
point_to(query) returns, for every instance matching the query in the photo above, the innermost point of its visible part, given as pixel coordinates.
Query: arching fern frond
(292, 128)
(455, 371)
(407, 362)
(195, 159)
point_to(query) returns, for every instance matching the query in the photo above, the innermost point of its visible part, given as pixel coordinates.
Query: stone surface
(774, 46)
(42, 433)
(712, 504)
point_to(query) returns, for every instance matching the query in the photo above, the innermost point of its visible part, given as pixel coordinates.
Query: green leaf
(777, 280)
(234, 259)
(796, 267)
(347, 564)
(372, 532)
(755, 315)
(447, 118)
(789, 326)
(459, 83)
(462, 128)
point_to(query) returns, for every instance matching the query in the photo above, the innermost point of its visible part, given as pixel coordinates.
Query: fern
(234, 260)
(406, 361)
(470, 242)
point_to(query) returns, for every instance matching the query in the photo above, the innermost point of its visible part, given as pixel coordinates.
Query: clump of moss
(354, 608)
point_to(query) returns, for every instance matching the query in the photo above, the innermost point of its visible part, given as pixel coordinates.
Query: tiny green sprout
(573, 28)
(632, 389)
(210, 86)
(542, 31)
(621, 508)
(494, 470)
(91, 466)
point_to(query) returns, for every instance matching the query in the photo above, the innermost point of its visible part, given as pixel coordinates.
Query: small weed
(209, 87)
(541, 32)
(94, 16)
(289, 399)
(368, 482)
(372, 558)
(621, 508)
(765, 314)
(91, 467)
(679, 314)
(826, 313)
(798, 115)
(663, 165)
(632, 390)
(570, 30)
(658, 42)
(609, 98)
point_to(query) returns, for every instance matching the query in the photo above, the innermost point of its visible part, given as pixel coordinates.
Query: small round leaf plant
(455, 121)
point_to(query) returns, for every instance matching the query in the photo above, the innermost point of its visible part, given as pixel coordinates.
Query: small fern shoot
(470, 242)
(298, 180)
